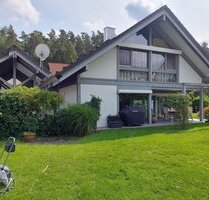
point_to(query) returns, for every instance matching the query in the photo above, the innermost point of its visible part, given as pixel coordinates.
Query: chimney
(109, 33)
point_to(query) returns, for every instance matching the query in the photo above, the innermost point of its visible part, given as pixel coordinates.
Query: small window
(124, 57)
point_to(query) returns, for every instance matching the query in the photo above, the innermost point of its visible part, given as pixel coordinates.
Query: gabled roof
(109, 44)
(56, 67)
(14, 50)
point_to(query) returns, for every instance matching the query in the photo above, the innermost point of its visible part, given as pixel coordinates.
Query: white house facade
(152, 59)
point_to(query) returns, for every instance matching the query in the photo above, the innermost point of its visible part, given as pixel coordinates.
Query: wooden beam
(4, 58)
(27, 72)
(24, 70)
(34, 65)
(28, 79)
(14, 70)
(5, 83)
(34, 80)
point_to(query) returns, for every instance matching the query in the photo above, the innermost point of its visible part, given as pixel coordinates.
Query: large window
(133, 58)
(158, 61)
(125, 57)
(162, 61)
(134, 66)
(164, 67)
(171, 61)
(139, 59)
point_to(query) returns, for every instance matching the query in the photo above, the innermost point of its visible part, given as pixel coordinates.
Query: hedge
(22, 108)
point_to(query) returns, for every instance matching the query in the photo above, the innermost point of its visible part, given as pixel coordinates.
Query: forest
(65, 46)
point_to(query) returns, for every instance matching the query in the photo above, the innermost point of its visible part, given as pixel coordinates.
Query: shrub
(95, 103)
(181, 103)
(31, 123)
(21, 109)
(196, 100)
(42, 101)
(78, 119)
(15, 112)
(206, 112)
(49, 125)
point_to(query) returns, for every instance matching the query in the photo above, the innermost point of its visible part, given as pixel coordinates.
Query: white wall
(108, 94)
(104, 67)
(69, 93)
(186, 73)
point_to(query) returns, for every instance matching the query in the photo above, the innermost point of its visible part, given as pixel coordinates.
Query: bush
(95, 103)
(48, 125)
(78, 119)
(15, 111)
(206, 112)
(41, 101)
(181, 103)
(196, 100)
(21, 109)
(35, 110)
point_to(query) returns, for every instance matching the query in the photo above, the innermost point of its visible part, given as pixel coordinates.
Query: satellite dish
(42, 51)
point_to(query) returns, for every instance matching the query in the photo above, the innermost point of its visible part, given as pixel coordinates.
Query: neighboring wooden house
(152, 59)
(17, 68)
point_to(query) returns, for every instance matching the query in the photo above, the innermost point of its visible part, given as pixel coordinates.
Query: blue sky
(84, 16)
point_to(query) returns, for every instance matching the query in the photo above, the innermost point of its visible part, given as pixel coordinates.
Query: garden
(70, 159)
(144, 163)
(32, 111)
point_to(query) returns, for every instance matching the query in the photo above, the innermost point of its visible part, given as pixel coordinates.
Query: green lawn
(146, 163)
(195, 115)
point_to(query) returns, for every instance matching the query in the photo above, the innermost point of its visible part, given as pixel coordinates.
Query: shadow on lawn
(116, 134)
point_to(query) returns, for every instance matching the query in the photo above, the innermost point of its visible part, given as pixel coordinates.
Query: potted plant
(30, 125)
(29, 136)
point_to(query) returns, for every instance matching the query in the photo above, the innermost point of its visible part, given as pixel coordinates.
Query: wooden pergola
(18, 68)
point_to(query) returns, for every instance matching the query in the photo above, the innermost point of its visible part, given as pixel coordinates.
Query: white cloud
(94, 26)
(138, 9)
(149, 5)
(152, 5)
(19, 10)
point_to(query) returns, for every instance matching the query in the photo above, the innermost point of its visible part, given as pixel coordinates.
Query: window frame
(164, 71)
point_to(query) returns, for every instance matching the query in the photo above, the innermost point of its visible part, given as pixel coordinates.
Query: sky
(91, 15)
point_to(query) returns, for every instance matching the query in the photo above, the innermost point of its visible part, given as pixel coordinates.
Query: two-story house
(152, 59)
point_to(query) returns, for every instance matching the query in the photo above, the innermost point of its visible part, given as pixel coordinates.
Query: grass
(146, 163)
(195, 115)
